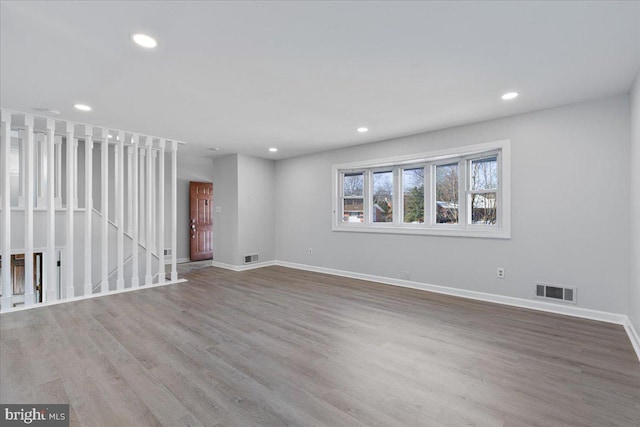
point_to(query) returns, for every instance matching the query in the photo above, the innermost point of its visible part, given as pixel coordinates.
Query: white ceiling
(302, 76)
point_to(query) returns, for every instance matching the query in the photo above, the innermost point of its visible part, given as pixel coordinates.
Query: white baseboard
(243, 267)
(182, 260)
(83, 297)
(603, 316)
(481, 296)
(633, 336)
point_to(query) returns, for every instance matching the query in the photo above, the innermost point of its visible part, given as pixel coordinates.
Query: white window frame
(370, 187)
(342, 197)
(400, 191)
(464, 228)
(468, 191)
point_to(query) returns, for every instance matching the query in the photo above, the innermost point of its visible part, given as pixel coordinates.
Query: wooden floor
(276, 346)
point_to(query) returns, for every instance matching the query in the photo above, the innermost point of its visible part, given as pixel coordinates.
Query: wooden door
(201, 220)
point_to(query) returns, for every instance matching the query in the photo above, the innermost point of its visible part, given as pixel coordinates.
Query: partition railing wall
(82, 210)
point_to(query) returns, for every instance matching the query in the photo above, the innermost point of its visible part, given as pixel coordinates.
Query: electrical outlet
(500, 273)
(310, 251)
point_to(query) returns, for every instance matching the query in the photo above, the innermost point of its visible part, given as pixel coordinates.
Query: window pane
(354, 185)
(413, 195)
(484, 174)
(353, 210)
(447, 194)
(382, 196)
(483, 208)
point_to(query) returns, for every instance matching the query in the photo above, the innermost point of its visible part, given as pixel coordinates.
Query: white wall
(256, 207)
(570, 218)
(634, 253)
(225, 199)
(244, 191)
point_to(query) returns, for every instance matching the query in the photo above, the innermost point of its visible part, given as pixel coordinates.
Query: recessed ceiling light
(214, 149)
(510, 95)
(144, 40)
(82, 107)
(363, 130)
(273, 149)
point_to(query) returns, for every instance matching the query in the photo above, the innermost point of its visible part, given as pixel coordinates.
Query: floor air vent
(557, 293)
(248, 259)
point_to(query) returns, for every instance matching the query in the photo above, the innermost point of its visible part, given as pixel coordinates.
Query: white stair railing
(46, 140)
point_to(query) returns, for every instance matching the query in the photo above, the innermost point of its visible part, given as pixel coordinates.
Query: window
(483, 190)
(382, 197)
(446, 194)
(353, 197)
(413, 195)
(457, 192)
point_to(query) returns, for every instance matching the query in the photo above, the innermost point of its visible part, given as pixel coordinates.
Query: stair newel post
(5, 238)
(148, 279)
(135, 275)
(70, 186)
(29, 147)
(104, 207)
(120, 211)
(88, 207)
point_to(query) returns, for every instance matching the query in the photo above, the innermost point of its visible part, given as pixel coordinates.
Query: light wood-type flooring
(276, 346)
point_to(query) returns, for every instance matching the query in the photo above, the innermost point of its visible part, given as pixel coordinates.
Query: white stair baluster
(129, 189)
(69, 249)
(88, 207)
(149, 211)
(5, 142)
(104, 207)
(135, 278)
(174, 210)
(50, 293)
(161, 264)
(120, 210)
(58, 180)
(29, 149)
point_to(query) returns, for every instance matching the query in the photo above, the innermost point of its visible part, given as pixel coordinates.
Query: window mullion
(463, 185)
(426, 171)
(430, 205)
(397, 199)
(367, 196)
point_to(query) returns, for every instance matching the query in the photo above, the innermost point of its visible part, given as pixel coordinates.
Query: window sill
(424, 231)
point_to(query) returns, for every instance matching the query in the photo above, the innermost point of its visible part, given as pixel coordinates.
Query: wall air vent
(248, 259)
(557, 293)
